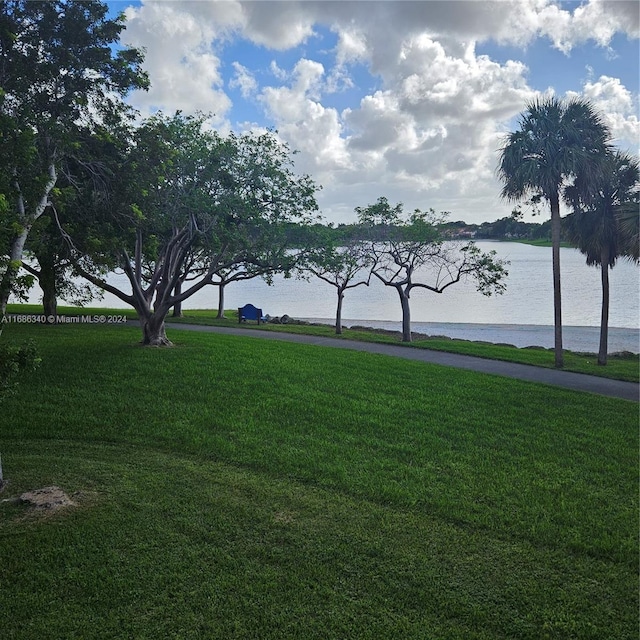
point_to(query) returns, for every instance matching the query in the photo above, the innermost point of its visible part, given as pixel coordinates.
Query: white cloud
(618, 106)
(352, 45)
(303, 121)
(596, 20)
(435, 128)
(280, 74)
(427, 131)
(528, 19)
(338, 80)
(183, 69)
(243, 79)
(600, 21)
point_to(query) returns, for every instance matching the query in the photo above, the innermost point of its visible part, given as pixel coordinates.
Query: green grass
(543, 243)
(237, 488)
(625, 366)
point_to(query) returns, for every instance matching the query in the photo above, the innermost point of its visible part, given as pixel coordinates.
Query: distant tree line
(513, 228)
(508, 228)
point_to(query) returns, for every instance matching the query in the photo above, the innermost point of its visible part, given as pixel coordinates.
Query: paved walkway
(555, 377)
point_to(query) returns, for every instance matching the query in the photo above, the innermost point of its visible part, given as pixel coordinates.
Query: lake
(523, 316)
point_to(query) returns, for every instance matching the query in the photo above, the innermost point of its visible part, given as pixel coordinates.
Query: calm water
(522, 316)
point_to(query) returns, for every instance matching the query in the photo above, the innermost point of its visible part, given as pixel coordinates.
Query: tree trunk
(604, 316)
(177, 307)
(220, 301)
(339, 313)
(26, 222)
(557, 302)
(10, 273)
(406, 314)
(47, 282)
(153, 330)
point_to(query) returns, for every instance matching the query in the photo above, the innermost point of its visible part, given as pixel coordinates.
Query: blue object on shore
(249, 312)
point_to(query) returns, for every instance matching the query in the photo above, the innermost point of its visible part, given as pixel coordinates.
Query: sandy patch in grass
(47, 498)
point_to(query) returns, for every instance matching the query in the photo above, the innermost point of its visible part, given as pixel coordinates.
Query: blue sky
(259, 59)
(403, 99)
(550, 67)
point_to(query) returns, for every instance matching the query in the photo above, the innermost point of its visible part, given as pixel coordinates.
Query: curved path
(555, 377)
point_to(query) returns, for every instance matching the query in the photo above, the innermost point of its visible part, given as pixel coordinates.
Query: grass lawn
(620, 366)
(238, 488)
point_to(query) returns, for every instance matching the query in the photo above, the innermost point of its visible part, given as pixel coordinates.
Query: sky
(410, 100)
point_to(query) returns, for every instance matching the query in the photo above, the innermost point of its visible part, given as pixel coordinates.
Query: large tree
(60, 73)
(183, 191)
(413, 251)
(48, 261)
(596, 225)
(556, 143)
(344, 267)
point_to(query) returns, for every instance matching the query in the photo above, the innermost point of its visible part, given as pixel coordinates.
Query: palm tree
(629, 220)
(557, 141)
(597, 226)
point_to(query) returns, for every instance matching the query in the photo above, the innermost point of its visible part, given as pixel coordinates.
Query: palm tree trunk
(557, 302)
(604, 316)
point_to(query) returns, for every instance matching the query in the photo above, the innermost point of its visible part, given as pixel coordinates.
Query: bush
(15, 360)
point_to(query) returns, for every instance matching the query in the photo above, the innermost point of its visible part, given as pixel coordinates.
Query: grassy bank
(624, 366)
(236, 488)
(544, 243)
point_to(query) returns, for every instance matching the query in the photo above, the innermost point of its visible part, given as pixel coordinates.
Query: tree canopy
(597, 225)
(61, 74)
(416, 256)
(190, 202)
(344, 265)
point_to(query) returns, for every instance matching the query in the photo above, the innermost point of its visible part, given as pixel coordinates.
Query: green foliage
(598, 205)
(41, 40)
(15, 361)
(381, 221)
(556, 141)
(20, 283)
(188, 205)
(61, 76)
(511, 228)
(629, 224)
(402, 246)
(488, 271)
